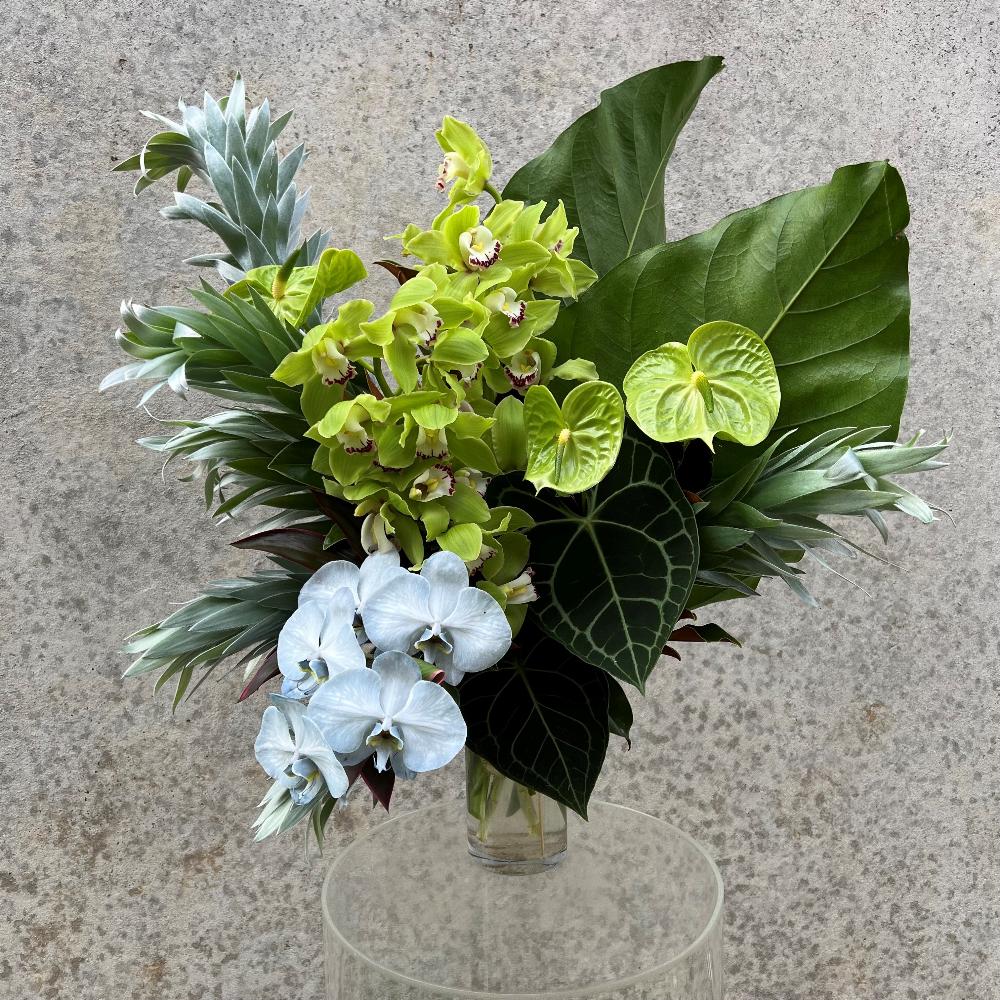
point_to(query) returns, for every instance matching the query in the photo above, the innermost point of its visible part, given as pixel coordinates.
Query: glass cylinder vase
(511, 828)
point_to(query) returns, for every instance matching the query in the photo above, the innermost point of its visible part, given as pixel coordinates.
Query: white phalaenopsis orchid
(317, 642)
(362, 581)
(292, 749)
(411, 724)
(458, 628)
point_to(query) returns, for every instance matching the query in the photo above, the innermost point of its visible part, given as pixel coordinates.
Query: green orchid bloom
(330, 348)
(294, 293)
(467, 164)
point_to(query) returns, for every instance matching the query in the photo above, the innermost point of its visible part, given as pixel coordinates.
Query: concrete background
(842, 766)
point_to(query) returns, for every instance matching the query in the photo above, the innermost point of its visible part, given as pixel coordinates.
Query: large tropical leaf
(607, 167)
(820, 274)
(616, 565)
(541, 718)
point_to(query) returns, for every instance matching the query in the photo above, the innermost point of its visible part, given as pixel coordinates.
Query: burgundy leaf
(400, 272)
(380, 783)
(267, 670)
(303, 546)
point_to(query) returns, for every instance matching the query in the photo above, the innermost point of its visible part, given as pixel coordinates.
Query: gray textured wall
(842, 766)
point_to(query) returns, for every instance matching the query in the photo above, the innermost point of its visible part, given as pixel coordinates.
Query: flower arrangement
(497, 497)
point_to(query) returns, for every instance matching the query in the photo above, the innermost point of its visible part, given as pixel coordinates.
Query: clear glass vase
(511, 828)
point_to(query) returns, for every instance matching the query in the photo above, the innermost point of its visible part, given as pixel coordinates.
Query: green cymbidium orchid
(330, 348)
(467, 164)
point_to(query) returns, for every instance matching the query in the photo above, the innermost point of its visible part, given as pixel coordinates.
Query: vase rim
(648, 974)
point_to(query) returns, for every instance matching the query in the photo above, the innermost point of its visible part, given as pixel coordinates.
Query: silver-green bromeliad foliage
(607, 429)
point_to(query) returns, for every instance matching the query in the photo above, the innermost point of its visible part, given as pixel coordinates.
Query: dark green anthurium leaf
(540, 718)
(607, 167)
(571, 447)
(820, 274)
(293, 296)
(619, 711)
(722, 382)
(614, 566)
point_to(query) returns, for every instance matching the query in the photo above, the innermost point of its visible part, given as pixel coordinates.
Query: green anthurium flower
(572, 447)
(329, 349)
(722, 383)
(467, 163)
(292, 293)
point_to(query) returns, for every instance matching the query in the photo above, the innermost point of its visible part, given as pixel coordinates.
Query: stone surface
(842, 765)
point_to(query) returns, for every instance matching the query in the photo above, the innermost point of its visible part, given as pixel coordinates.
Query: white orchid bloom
(362, 581)
(409, 724)
(458, 628)
(293, 751)
(317, 642)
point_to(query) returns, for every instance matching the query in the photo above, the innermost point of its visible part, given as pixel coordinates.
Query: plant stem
(493, 192)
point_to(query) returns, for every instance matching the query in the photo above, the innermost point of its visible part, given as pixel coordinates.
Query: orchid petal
(346, 707)
(274, 747)
(448, 578)
(379, 569)
(314, 745)
(398, 613)
(325, 583)
(319, 631)
(398, 673)
(479, 632)
(432, 727)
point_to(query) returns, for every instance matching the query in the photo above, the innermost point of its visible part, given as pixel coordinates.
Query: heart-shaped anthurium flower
(572, 447)
(722, 383)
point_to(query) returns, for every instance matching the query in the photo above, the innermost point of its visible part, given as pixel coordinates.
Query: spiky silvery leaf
(761, 520)
(257, 210)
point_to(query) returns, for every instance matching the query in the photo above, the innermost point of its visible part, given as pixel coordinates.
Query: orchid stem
(493, 192)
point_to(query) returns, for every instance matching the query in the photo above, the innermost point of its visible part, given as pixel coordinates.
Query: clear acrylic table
(634, 912)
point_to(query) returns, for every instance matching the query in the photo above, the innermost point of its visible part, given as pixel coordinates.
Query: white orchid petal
(432, 727)
(448, 578)
(398, 673)
(314, 746)
(338, 646)
(324, 584)
(379, 569)
(274, 747)
(299, 639)
(398, 613)
(346, 707)
(479, 632)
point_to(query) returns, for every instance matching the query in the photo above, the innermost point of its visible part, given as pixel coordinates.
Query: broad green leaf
(540, 718)
(615, 575)
(722, 382)
(572, 447)
(820, 274)
(607, 167)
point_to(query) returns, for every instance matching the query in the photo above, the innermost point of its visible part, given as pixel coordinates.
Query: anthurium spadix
(572, 447)
(390, 711)
(722, 383)
(454, 626)
(292, 293)
(294, 752)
